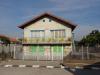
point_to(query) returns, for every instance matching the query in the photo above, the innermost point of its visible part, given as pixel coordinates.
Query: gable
(52, 17)
(46, 24)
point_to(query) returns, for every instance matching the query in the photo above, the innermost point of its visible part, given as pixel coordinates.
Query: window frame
(38, 34)
(62, 33)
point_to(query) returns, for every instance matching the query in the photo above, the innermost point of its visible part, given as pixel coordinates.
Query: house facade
(47, 37)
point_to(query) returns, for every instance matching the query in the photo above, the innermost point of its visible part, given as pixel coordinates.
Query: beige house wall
(47, 26)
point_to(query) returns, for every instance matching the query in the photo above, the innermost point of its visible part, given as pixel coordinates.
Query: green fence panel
(57, 50)
(41, 50)
(34, 48)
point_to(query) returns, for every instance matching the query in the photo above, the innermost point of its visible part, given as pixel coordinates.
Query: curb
(49, 67)
(33, 66)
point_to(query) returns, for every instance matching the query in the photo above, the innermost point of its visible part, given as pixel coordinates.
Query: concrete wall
(47, 26)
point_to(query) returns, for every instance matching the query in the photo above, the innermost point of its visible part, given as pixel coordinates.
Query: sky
(84, 13)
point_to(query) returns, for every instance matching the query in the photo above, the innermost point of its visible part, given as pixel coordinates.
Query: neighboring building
(10, 39)
(47, 37)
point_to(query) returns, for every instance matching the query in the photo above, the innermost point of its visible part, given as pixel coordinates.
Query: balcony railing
(46, 40)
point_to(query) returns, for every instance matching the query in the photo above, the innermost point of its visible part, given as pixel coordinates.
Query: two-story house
(47, 37)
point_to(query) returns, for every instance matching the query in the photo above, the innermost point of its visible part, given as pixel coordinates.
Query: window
(37, 34)
(58, 33)
(50, 20)
(43, 20)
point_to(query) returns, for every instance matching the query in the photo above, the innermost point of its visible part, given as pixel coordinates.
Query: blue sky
(85, 13)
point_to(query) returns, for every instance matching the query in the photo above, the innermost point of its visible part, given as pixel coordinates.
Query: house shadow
(87, 70)
(84, 72)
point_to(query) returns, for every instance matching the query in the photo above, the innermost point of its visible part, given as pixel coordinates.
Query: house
(47, 37)
(9, 39)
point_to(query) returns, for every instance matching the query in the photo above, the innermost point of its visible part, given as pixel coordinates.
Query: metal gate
(57, 52)
(46, 52)
(43, 52)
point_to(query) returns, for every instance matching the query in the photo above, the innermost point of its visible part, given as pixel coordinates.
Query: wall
(47, 26)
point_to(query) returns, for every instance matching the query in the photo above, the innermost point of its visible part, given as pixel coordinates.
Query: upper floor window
(50, 20)
(58, 33)
(37, 34)
(43, 20)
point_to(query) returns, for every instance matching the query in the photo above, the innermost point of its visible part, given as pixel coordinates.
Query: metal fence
(85, 53)
(11, 51)
(81, 52)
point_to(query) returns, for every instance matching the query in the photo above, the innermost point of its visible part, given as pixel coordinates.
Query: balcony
(47, 41)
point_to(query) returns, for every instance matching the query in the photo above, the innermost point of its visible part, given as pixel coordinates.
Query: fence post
(52, 52)
(88, 53)
(82, 53)
(62, 53)
(14, 52)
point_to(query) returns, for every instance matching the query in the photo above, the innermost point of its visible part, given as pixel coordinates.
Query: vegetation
(92, 39)
(5, 40)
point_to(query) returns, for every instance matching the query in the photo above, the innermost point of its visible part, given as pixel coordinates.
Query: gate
(39, 52)
(57, 52)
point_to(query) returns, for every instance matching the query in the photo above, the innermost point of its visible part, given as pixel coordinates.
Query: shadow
(83, 71)
(87, 70)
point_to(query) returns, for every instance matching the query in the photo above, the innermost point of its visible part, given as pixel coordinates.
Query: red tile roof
(1, 36)
(11, 39)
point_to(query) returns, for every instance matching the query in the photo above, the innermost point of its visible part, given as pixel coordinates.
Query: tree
(4, 42)
(91, 39)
